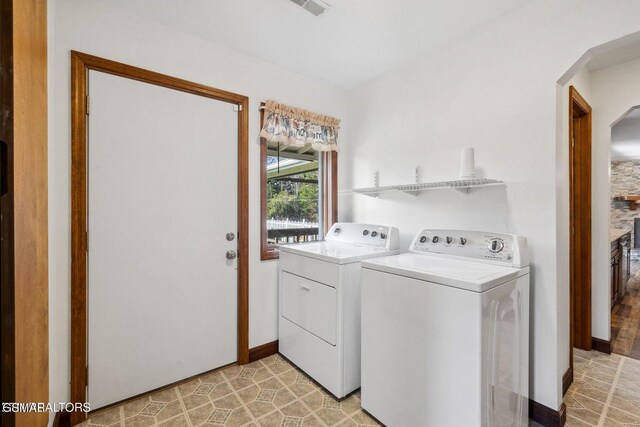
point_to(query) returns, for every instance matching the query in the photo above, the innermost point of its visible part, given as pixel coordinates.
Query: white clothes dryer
(319, 322)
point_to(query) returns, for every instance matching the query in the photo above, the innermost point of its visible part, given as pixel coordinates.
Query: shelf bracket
(465, 190)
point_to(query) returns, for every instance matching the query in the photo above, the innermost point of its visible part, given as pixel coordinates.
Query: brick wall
(625, 180)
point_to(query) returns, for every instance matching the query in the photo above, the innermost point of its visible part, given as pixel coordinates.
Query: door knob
(230, 236)
(231, 255)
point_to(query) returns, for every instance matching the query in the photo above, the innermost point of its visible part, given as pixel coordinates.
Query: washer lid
(472, 276)
(336, 252)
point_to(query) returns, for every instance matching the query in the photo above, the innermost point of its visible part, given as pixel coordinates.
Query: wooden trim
(62, 419)
(135, 73)
(580, 222)
(576, 98)
(601, 345)
(7, 249)
(267, 252)
(81, 63)
(329, 189)
(262, 351)
(567, 380)
(24, 304)
(78, 231)
(334, 187)
(243, 231)
(547, 416)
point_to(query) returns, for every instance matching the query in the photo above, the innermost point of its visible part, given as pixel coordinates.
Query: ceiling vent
(315, 7)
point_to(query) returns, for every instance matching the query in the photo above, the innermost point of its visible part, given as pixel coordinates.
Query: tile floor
(269, 392)
(625, 318)
(605, 391)
(272, 392)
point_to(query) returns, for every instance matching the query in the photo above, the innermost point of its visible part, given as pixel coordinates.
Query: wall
(625, 180)
(625, 138)
(581, 81)
(494, 90)
(614, 90)
(103, 30)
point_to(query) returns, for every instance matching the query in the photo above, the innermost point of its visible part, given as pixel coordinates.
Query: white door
(162, 296)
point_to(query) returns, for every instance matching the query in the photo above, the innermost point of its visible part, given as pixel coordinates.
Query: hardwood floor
(625, 318)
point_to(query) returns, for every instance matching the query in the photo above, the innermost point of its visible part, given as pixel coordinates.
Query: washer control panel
(495, 248)
(365, 234)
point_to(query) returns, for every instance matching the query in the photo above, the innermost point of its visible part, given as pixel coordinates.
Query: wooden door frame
(81, 64)
(579, 222)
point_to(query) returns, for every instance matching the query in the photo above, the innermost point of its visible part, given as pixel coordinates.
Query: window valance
(298, 127)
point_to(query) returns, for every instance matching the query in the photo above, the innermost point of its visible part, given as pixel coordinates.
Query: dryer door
(310, 305)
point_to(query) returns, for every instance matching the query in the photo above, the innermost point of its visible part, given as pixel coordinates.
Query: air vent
(315, 7)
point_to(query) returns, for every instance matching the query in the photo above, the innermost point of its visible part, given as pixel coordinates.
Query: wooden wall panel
(27, 154)
(30, 198)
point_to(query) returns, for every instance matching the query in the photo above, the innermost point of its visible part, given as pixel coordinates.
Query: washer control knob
(337, 231)
(448, 239)
(435, 239)
(365, 232)
(423, 239)
(463, 241)
(496, 245)
(383, 236)
(374, 233)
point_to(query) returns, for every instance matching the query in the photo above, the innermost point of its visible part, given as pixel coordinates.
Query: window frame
(328, 181)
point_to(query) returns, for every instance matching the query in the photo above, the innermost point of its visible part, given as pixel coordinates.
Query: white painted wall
(614, 90)
(625, 139)
(494, 90)
(100, 29)
(581, 82)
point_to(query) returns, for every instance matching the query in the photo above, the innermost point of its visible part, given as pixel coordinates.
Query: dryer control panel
(494, 248)
(365, 234)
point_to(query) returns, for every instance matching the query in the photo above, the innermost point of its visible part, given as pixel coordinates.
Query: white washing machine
(319, 323)
(445, 332)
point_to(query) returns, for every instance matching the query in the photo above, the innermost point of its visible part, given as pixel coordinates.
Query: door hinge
(86, 100)
(237, 107)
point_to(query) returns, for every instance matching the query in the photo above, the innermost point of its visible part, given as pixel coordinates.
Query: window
(298, 192)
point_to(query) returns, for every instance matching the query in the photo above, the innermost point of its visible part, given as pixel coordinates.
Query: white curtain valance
(298, 127)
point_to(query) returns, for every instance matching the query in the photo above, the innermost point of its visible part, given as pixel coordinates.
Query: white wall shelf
(464, 185)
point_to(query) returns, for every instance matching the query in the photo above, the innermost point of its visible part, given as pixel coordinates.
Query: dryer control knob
(423, 239)
(496, 245)
(448, 239)
(463, 241)
(365, 232)
(435, 239)
(374, 233)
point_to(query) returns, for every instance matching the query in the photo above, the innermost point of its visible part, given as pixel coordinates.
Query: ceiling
(354, 41)
(627, 52)
(625, 137)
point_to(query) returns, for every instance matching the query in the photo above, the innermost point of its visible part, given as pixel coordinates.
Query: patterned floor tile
(180, 421)
(274, 393)
(297, 382)
(106, 417)
(611, 401)
(139, 421)
(247, 375)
